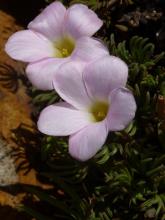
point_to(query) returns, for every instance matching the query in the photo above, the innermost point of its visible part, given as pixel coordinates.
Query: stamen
(65, 47)
(99, 111)
(65, 52)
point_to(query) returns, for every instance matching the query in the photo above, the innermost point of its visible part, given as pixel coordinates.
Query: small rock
(8, 174)
(150, 213)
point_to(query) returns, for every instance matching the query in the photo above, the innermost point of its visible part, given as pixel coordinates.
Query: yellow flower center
(64, 47)
(99, 110)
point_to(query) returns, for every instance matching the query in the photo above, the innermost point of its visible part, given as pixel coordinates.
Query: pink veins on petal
(54, 37)
(96, 102)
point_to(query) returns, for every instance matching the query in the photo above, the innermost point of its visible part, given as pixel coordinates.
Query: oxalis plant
(108, 98)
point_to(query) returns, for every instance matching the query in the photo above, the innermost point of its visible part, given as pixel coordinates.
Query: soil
(18, 135)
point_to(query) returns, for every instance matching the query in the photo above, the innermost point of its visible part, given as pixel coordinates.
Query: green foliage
(54, 152)
(94, 4)
(33, 213)
(139, 55)
(42, 98)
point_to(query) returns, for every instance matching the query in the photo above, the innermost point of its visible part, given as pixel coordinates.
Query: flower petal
(81, 21)
(41, 73)
(62, 119)
(29, 46)
(50, 21)
(84, 144)
(122, 109)
(104, 75)
(89, 49)
(69, 84)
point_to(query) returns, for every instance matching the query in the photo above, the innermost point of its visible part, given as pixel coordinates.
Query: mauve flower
(96, 103)
(54, 37)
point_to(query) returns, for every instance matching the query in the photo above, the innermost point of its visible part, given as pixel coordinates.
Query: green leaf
(34, 213)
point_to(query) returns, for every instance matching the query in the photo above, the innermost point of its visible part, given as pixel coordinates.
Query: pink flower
(54, 37)
(96, 103)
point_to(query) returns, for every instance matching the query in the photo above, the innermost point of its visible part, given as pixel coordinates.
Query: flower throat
(65, 47)
(99, 111)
